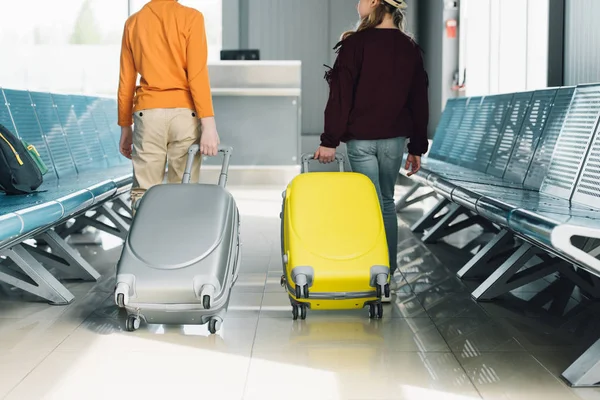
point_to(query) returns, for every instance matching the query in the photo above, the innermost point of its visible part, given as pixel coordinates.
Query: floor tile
(25, 306)
(250, 283)
(244, 305)
(273, 283)
(513, 376)
(557, 362)
(318, 331)
(108, 309)
(538, 335)
(470, 337)
(407, 306)
(85, 306)
(440, 282)
(31, 335)
(362, 373)
(255, 264)
(15, 366)
(441, 305)
(235, 336)
(434, 341)
(169, 371)
(276, 305)
(526, 305)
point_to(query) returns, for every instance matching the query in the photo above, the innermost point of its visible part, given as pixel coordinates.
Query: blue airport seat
(64, 131)
(54, 135)
(11, 226)
(562, 172)
(85, 148)
(86, 177)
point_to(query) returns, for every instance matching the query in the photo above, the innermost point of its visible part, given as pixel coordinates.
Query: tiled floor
(434, 342)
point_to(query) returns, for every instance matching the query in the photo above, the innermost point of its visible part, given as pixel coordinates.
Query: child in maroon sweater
(378, 98)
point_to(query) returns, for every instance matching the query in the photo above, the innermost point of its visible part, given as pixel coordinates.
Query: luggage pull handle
(194, 149)
(308, 157)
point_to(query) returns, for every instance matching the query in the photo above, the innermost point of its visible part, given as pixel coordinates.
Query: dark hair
(377, 16)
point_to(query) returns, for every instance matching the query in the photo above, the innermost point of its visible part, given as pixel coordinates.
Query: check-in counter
(257, 108)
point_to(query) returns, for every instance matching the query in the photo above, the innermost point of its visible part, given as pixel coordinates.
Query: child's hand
(209, 141)
(126, 141)
(325, 155)
(413, 164)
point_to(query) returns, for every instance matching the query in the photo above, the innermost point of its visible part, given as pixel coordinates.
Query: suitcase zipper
(13, 149)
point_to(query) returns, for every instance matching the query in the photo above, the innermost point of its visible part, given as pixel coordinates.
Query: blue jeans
(381, 161)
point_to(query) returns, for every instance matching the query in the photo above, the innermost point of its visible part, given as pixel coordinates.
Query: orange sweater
(165, 43)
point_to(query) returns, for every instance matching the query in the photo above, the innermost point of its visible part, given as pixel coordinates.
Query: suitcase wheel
(283, 281)
(299, 310)
(375, 311)
(214, 325)
(206, 302)
(385, 291)
(133, 323)
(121, 300)
(302, 292)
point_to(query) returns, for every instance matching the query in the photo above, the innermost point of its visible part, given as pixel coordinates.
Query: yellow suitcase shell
(333, 227)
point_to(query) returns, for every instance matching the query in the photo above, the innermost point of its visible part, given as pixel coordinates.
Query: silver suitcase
(181, 258)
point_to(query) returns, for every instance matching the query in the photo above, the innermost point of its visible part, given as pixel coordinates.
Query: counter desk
(258, 113)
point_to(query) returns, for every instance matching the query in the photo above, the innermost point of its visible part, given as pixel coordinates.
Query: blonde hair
(394, 7)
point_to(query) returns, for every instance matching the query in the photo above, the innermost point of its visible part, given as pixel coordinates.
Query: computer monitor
(253, 55)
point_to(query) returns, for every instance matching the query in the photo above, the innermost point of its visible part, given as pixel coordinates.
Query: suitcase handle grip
(194, 149)
(308, 157)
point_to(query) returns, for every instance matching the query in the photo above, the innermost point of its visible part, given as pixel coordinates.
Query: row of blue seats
(78, 139)
(525, 166)
(527, 162)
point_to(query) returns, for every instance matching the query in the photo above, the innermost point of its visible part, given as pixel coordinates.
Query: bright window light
(75, 48)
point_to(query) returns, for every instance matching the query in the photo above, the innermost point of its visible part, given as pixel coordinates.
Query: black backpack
(19, 172)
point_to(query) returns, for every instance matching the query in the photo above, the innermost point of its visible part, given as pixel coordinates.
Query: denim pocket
(361, 147)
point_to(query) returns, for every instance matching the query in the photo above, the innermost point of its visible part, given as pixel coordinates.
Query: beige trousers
(162, 135)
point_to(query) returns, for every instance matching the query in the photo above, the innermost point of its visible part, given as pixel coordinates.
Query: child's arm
(197, 68)
(199, 81)
(127, 80)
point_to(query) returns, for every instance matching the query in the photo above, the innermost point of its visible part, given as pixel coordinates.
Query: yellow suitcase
(334, 246)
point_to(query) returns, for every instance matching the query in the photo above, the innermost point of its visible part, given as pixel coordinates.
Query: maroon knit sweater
(378, 90)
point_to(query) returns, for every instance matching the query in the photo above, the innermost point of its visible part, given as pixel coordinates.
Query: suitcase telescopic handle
(308, 157)
(194, 149)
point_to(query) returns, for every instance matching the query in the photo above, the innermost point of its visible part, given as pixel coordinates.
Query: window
(506, 45)
(75, 48)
